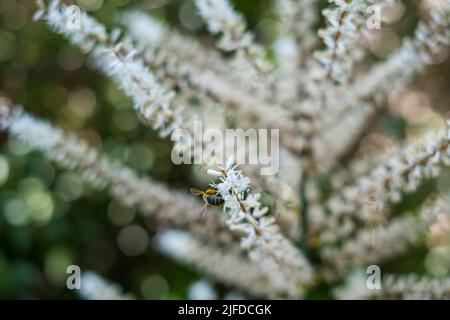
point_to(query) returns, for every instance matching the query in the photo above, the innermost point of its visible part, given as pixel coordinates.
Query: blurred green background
(49, 219)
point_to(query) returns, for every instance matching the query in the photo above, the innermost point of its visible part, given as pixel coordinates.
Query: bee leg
(203, 209)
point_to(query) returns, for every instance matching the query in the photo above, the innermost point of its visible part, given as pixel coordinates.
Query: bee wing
(196, 192)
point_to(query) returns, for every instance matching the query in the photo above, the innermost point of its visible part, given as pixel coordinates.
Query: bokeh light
(154, 286)
(4, 170)
(133, 240)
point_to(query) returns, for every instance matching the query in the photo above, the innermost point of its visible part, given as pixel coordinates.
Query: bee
(211, 197)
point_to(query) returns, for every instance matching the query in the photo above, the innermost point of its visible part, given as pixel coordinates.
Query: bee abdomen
(215, 201)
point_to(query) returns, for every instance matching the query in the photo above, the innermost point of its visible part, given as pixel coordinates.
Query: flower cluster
(327, 212)
(386, 184)
(221, 18)
(429, 41)
(262, 236)
(379, 243)
(346, 21)
(298, 18)
(228, 266)
(116, 59)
